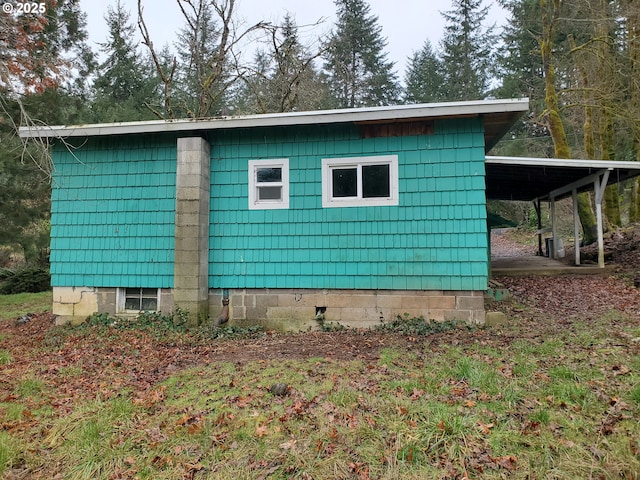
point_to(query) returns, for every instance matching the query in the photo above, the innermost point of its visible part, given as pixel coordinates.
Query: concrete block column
(191, 255)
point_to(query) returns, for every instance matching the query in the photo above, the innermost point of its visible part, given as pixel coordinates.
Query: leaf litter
(443, 426)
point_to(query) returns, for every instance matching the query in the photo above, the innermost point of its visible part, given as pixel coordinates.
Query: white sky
(406, 24)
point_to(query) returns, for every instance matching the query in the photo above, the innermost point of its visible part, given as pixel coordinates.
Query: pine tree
(201, 88)
(283, 76)
(198, 84)
(519, 68)
(359, 72)
(423, 79)
(467, 51)
(519, 61)
(40, 56)
(122, 86)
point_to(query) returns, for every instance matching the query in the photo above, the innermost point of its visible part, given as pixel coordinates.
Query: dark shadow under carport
(549, 180)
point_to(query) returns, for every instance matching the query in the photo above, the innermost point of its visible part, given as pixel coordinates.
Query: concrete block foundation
(296, 310)
(291, 310)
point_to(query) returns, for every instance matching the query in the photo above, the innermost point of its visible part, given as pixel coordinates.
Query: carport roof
(522, 178)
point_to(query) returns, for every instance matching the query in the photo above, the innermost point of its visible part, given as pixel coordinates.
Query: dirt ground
(138, 360)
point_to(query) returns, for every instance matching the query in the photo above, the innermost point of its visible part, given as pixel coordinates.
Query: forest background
(578, 61)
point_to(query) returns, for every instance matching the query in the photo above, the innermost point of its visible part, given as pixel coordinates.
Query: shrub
(25, 280)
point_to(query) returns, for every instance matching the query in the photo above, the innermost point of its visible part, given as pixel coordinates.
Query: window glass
(149, 304)
(132, 303)
(375, 181)
(267, 175)
(141, 299)
(268, 184)
(345, 182)
(360, 181)
(269, 193)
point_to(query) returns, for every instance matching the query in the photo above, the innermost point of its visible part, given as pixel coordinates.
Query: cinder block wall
(298, 310)
(294, 309)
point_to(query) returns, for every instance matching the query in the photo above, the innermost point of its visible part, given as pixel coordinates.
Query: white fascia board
(561, 162)
(426, 110)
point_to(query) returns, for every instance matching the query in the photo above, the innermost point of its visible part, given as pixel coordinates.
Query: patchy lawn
(553, 394)
(12, 306)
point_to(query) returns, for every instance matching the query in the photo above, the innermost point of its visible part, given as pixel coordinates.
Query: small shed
(353, 216)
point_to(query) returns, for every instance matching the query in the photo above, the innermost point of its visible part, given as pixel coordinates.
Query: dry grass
(528, 400)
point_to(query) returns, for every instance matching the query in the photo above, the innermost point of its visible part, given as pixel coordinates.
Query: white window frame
(121, 297)
(329, 164)
(254, 202)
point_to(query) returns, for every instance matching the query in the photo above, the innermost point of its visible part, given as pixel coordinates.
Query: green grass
(563, 405)
(12, 306)
(30, 387)
(5, 357)
(9, 452)
(96, 441)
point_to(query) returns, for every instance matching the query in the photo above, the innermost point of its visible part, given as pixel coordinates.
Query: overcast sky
(406, 24)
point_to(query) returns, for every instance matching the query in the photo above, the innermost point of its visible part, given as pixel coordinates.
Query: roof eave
(430, 110)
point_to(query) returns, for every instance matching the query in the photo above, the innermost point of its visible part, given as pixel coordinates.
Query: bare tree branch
(167, 78)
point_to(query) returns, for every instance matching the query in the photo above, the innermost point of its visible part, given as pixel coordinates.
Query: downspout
(224, 314)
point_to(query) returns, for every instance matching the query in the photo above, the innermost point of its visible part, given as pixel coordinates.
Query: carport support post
(554, 249)
(599, 186)
(576, 225)
(536, 205)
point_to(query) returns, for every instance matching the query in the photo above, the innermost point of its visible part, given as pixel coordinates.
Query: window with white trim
(138, 300)
(268, 184)
(360, 181)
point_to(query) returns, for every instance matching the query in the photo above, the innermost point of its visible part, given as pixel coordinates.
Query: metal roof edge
(561, 162)
(424, 110)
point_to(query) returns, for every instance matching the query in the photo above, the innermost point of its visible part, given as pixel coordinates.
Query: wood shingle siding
(415, 245)
(113, 212)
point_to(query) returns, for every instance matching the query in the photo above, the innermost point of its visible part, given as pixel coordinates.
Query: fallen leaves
(410, 411)
(193, 423)
(574, 296)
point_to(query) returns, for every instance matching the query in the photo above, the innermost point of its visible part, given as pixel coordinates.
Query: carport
(551, 179)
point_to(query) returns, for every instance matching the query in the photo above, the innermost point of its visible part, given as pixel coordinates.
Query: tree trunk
(612, 206)
(611, 193)
(607, 151)
(550, 14)
(556, 127)
(588, 218)
(633, 39)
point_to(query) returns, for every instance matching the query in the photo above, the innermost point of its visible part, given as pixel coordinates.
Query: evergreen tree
(467, 51)
(198, 84)
(39, 47)
(24, 202)
(359, 72)
(519, 68)
(123, 86)
(201, 86)
(41, 56)
(519, 62)
(423, 79)
(283, 77)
